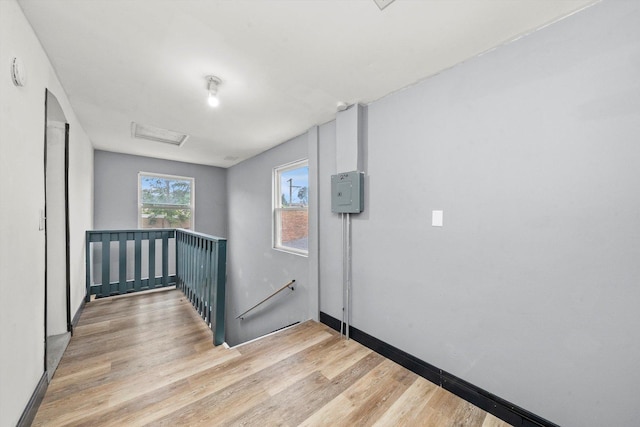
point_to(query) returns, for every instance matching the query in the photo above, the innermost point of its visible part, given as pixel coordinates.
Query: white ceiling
(285, 64)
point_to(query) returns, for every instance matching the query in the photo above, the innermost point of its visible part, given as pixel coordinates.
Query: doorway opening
(57, 284)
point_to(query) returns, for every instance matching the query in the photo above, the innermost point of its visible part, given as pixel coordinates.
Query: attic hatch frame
(157, 134)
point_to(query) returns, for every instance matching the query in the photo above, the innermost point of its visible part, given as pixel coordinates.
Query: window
(165, 201)
(290, 202)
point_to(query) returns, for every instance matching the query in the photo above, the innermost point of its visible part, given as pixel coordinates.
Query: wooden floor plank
(492, 421)
(374, 393)
(332, 414)
(148, 359)
(406, 409)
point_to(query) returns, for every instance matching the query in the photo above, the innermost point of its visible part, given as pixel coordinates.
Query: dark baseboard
(76, 317)
(31, 409)
(486, 401)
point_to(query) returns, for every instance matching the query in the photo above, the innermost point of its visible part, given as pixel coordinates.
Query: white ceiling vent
(383, 3)
(158, 134)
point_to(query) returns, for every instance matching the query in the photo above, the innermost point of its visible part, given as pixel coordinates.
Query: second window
(291, 200)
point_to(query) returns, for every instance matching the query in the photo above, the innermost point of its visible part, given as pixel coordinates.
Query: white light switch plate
(437, 218)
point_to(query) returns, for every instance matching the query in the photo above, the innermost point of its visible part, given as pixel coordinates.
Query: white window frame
(277, 207)
(192, 180)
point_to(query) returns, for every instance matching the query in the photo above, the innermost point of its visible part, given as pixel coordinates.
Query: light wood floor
(149, 360)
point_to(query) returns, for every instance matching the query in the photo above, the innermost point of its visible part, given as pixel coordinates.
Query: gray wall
(255, 269)
(116, 191)
(531, 288)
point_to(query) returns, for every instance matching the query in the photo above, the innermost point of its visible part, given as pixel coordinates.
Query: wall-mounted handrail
(288, 285)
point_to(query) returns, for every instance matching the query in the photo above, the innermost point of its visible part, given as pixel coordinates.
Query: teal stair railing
(201, 275)
(104, 242)
(193, 262)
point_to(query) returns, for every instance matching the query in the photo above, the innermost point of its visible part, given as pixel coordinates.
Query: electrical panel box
(347, 192)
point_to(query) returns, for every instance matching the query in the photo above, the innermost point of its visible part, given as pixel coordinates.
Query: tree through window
(165, 201)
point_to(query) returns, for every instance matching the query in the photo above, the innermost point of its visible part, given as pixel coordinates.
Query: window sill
(292, 252)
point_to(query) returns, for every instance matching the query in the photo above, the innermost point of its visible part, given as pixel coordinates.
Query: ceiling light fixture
(212, 86)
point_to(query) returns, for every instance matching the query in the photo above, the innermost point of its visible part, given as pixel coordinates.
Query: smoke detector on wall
(341, 106)
(18, 72)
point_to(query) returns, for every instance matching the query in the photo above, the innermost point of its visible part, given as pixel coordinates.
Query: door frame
(66, 220)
